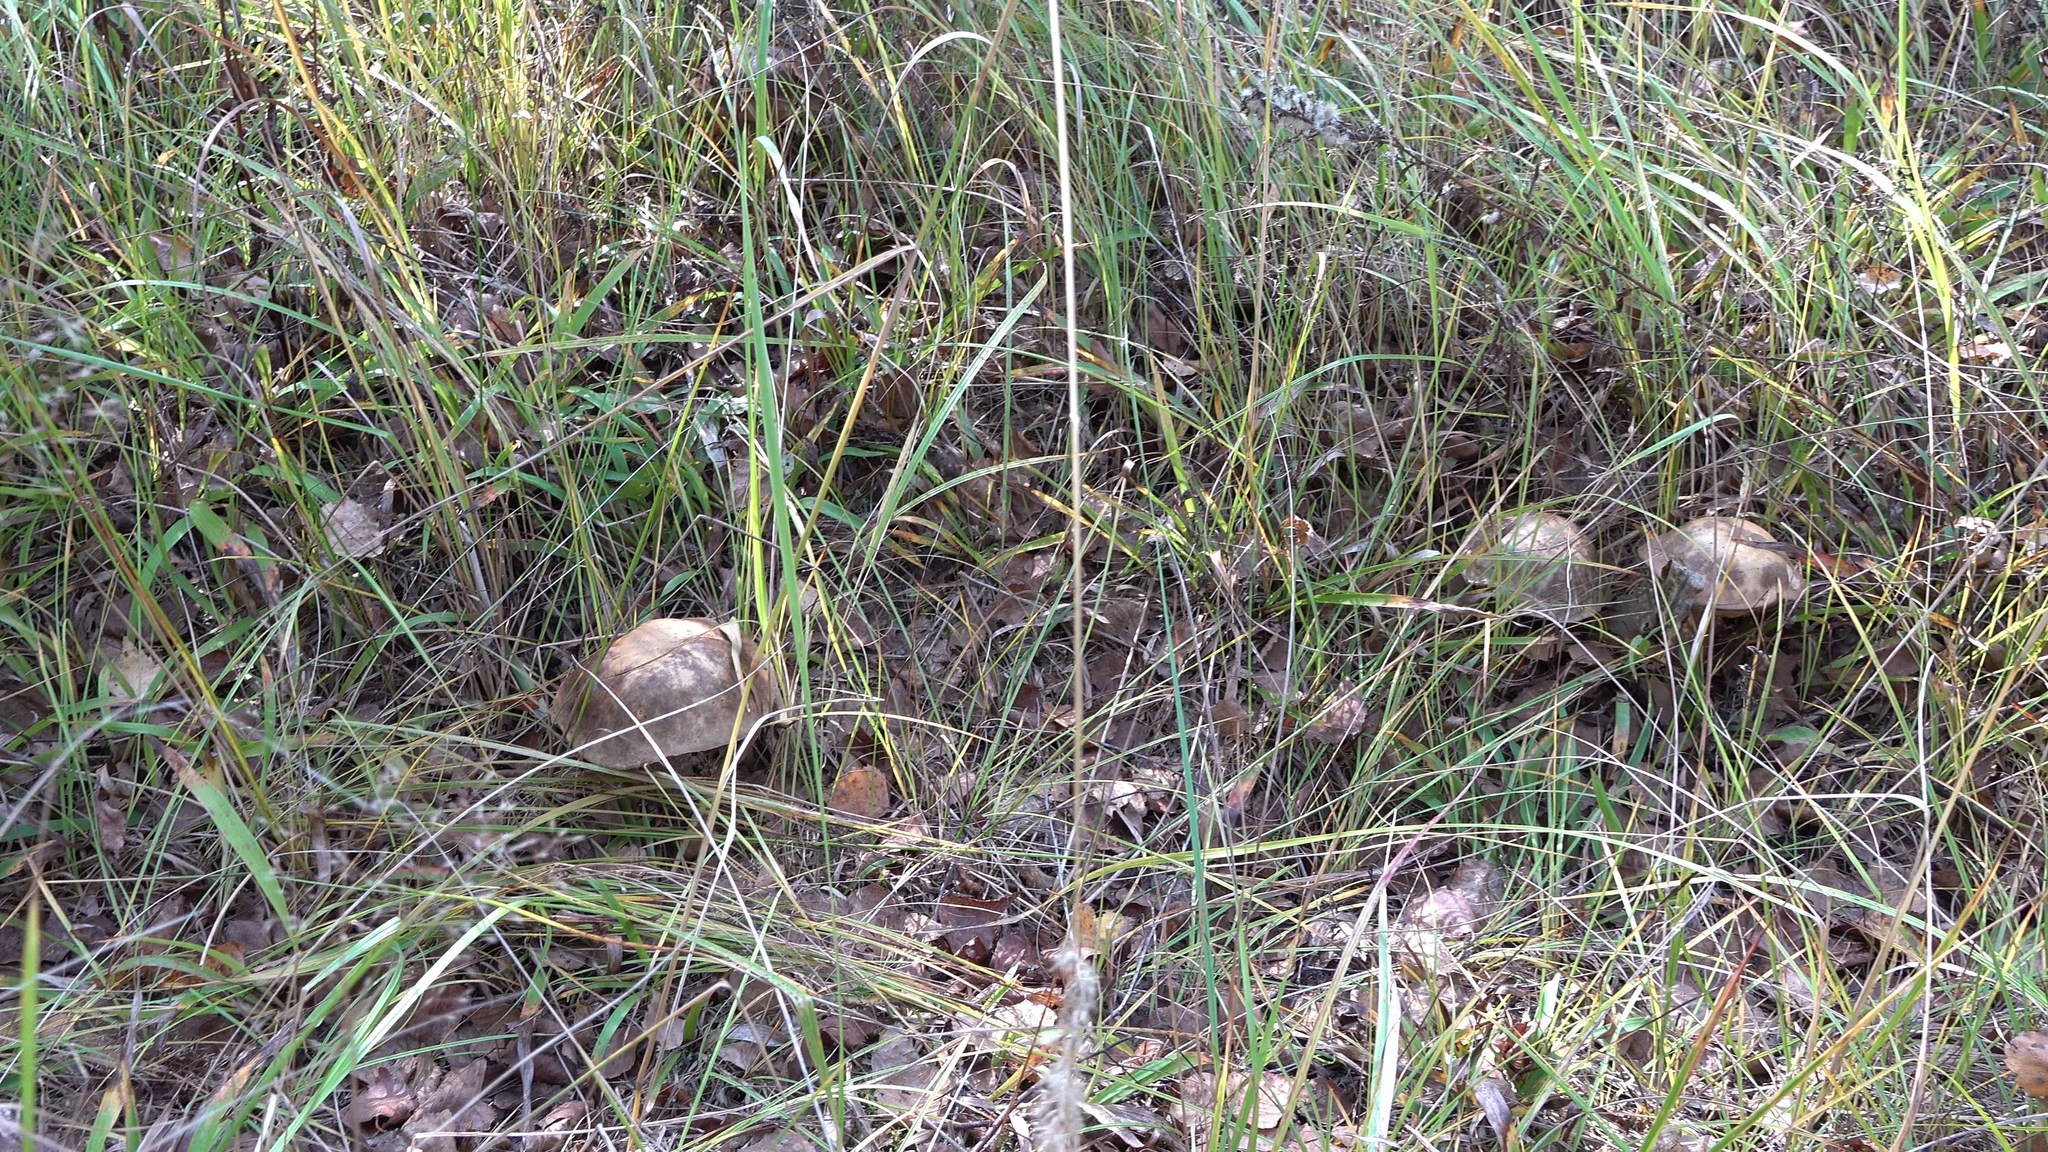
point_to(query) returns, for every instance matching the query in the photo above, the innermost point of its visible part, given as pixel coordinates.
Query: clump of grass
(605, 311)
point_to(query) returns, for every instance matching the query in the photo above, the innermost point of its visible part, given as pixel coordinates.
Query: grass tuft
(1086, 407)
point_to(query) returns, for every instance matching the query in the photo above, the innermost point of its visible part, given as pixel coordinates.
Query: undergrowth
(369, 365)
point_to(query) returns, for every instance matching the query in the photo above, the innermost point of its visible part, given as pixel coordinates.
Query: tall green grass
(771, 313)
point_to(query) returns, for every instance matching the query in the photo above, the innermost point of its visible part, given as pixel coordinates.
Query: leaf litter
(1341, 677)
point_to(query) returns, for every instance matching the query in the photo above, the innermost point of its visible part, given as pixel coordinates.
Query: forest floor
(1114, 427)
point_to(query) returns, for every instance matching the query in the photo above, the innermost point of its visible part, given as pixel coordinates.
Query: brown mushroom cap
(1729, 565)
(676, 683)
(1536, 562)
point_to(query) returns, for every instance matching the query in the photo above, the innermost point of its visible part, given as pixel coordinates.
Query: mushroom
(666, 688)
(1536, 562)
(1727, 565)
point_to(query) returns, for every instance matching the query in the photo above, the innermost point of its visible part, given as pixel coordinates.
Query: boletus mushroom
(667, 688)
(1535, 562)
(1726, 565)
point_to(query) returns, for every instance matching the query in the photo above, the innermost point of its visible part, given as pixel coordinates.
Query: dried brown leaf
(110, 811)
(449, 1104)
(22, 706)
(1028, 573)
(1109, 671)
(776, 1140)
(1430, 924)
(861, 792)
(1683, 1138)
(749, 1048)
(1230, 719)
(1886, 884)
(970, 925)
(131, 673)
(848, 1029)
(1133, 1126)
(384, 1103)
(903, 1077)
(1496, 1097)
(1342, 719)
(354, 529)
(1026, 1022)
(1125, 800)
(1271, 1104)
(553, 1130)
(2026, 1057)
(1017, 953)
(444, 1009)
(1009, 609)
(1119, 622)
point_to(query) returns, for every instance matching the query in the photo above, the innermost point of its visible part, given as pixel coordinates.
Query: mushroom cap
(666, 688)
(1536, 562)
(1731, 566)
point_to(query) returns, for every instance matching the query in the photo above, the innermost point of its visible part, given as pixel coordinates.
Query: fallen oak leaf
(1879, 900)
(1134, 1126)
(1496, 1097)
(776, 1140)
(969, 927)
(749, 1048)
(451, 1103)
(1342, 719)
(1428, 929)
(847, 1028)
(555, 1126)
(110, 812)
(261, 570)
(2026, 1057)
(1267, 1101)
(384, 1103)
(902, 1076)
(861, 791)
(1230, 719)
(1025, 1023)
(354, 529)
(131, 673)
